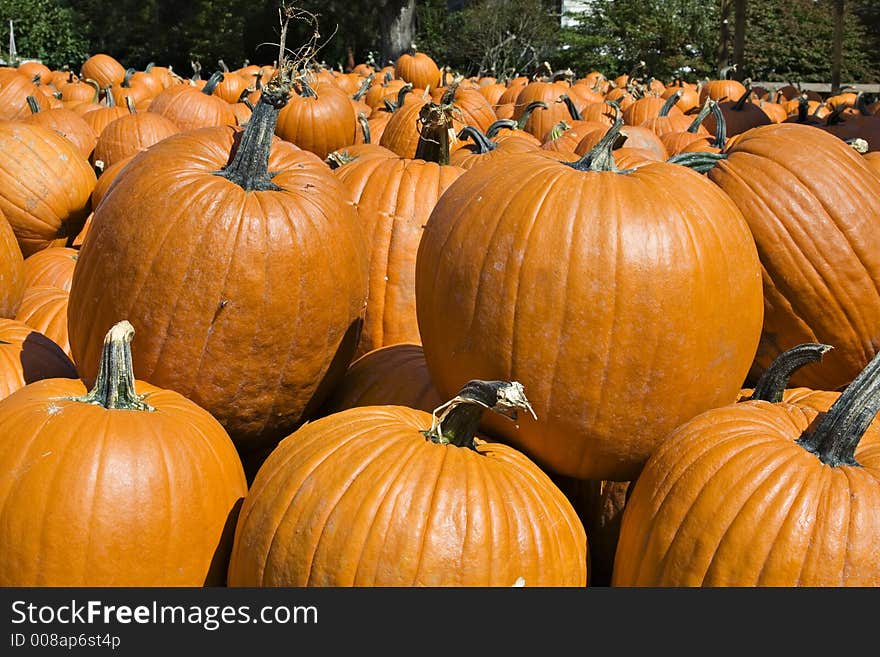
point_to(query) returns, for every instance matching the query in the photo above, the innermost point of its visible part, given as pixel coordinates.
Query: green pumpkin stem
(600, 157)
(33, 105)
(773, 382)
(499, 125)
(558, 130)
(835, 434)
(481, 141)
(699, 162)
(364, 123)
(364, 88)
(249, 168)
(741, 103)
(720, 126)
(126, 81)
(572, 110)
(456, 422)
(114, 387)
(212, 83)
(699, 118)
(527, 112)
(670, 103)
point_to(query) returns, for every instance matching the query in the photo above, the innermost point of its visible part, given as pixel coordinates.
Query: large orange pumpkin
(814, 221)
(389, 496)
(242, 265)
(150, 483)
(394, 198)
(761, 494)
(601, 290)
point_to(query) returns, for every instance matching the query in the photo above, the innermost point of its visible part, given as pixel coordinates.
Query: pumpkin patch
(401, 323)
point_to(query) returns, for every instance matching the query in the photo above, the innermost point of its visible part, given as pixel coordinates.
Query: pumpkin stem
(223, 66)
(699, 162)
(773, 382)
(720, 125)
(481, 141)
(558, 130)
(33, 105)
(600, 158)
(108, 96)
(436, 133)
(126, 81)
(94, 84)
(212, 83)
(364, 88)
(837, 432)
(114, 387)
(670, 103)
(456, 422)
(738, 106)
(572, 110)
(527, 112)
(249, 168)
(129, 103)
(698, 119)
(500, 124)
(365, 126)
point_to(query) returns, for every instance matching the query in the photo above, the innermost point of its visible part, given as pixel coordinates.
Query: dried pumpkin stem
(436, 133)
(249, 168)
(212, 83)
(114, 387)
(573, 111)
(456, 422)
(527, 112)
(837, 432)
(772, 384)
(670, 103)
(501, 124)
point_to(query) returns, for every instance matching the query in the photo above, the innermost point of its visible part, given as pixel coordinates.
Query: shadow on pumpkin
(42, 358)
(220, 563)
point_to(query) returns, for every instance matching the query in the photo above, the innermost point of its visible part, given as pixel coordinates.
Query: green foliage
(490, 37)
(675, 38)
(790, 40)
(44, 30)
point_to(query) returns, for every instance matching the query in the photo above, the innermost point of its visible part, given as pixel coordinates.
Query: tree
(44, 30)
(675, 38)
(490, 37)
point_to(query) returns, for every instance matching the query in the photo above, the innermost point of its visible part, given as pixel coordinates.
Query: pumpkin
(723, 88)
(44, 309)
(482, 150)
(389, 496)
(650, 284)
(190, 107)
(11, 270)
(268, 267)
(872, 159)
(14, 91)
(151, 483)
(26, 355)
(53, 266)
(394, 198)
(130, 134)
(417, 68)
(45, 185)
(739, 115)
(794, 201)
(103, 69)
(319, 119)
(394, 375)
(761, 494)
(65, 122)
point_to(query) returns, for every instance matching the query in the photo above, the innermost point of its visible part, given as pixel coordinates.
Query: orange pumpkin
(44, 309)
(274, 267)
(11, 270)
(45, 185)
(761, 494)
(151, 483)
(363, 498)
(639, 290)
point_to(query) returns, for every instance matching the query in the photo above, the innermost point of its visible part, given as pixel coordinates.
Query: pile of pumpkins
(399, 327)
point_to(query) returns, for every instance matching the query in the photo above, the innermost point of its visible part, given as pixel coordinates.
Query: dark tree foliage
(784, 39)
